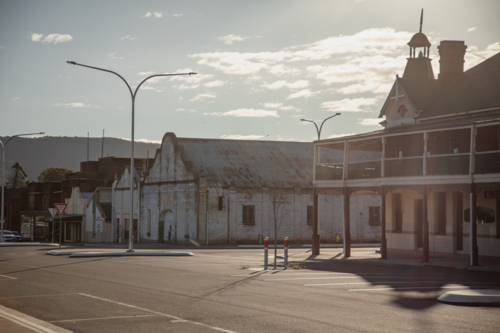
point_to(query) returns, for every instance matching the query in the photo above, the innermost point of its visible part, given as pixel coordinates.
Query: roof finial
(421, 19)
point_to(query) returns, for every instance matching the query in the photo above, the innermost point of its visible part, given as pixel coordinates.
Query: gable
(170, 163)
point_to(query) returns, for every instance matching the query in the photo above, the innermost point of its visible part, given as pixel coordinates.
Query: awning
(65, 218)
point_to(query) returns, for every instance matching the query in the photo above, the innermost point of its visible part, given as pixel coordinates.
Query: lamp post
(319, 130)
(3, 176)
(132, 95)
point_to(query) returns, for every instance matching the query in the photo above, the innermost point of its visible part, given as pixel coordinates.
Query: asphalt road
(213, 292)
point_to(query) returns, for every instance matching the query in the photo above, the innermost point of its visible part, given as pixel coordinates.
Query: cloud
(51, 38)
(145, 87)
(203, 97)
(78, 105)
(272, 105)
(230, 39)
(370, 121)
(280, 84)
(366, 61)
(155, 14)
(340, 135)
(241, 137)
(216, 83)
(471, 29)
(129, 37)
(350, 105)
(186, 110)
(306, 93)
(146, 73)
(245, 113)
(16, 98)
(177, 15)
(474, 56)
(36, 37)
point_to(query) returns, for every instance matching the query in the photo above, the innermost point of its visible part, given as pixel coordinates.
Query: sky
(261, 65)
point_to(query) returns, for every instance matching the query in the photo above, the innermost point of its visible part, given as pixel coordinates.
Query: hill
(38, 154)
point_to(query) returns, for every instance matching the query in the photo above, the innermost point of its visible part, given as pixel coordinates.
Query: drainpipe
(206, 220)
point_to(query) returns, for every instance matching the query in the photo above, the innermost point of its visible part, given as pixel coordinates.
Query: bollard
(286, 251)
(265, 253)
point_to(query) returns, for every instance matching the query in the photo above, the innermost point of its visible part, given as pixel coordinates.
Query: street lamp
(319, 130)
(3, 175)
(132, 94)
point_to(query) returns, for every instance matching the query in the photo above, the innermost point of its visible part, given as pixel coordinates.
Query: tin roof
(250, 163)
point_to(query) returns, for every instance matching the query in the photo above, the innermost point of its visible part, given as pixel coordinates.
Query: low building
(220, 191)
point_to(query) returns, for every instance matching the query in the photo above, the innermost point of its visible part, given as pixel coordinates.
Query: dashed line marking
(30, 296)
(174, 318)
(9, 277)
(104, 318)
(412, 288)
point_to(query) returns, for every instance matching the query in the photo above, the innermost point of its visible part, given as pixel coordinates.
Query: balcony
(448, 165)
(488, 162)
(329, 172)
(364, 170)
(404, 167)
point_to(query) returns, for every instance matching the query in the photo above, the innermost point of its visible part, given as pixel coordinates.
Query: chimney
(451, 62)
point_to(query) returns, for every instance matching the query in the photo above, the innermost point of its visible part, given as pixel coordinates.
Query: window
(31, 199)
(248, 214)
(44, 200)
(309, 215)
(374, 216)
(220, 202)
(399, 146)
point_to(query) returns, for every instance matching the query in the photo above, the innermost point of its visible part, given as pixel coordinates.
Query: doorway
(458, 213)
(419, 223)
(166, 222)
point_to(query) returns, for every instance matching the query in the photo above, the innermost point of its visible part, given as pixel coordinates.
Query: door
(459, 230)
(419, 223)
(398, 212)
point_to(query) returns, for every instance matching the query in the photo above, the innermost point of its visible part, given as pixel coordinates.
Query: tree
(54, 174)
(18, 177)
(278, 198)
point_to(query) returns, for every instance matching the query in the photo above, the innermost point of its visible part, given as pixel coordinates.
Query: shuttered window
(248, 214)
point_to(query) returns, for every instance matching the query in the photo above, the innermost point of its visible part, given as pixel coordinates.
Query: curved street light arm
(149, 77)
(105, 70)
(317, 130)
(319, 133)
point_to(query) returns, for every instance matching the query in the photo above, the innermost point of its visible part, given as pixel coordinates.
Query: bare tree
(278, 196)
(18, 177)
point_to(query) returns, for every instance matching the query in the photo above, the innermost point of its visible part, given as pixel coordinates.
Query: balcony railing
(329, 172)
(448, 164)
(404, 167)
(488, 162)
(364, 170)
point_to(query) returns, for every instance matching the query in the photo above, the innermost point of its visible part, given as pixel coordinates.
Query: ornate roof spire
(421, 19)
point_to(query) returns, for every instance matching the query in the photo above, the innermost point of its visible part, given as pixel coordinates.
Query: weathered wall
(121, 206)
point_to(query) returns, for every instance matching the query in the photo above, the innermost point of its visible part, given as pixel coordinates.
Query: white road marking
(120, 317)
(9, 277)
(443, 287)
(159, 313)
(381, 282)
(9, 254)
(337, 277)
(50, 295)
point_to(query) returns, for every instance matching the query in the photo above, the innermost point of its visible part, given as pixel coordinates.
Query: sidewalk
(12, 321)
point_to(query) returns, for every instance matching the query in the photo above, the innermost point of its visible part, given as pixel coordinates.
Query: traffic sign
(61, 207)
(53, 211)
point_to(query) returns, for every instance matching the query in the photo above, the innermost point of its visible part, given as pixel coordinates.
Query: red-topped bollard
(286, 251)
(265, 252)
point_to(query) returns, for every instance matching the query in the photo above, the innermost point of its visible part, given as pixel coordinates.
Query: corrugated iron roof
(248, 163)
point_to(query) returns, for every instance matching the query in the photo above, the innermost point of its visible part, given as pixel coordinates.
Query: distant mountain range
(38, 154)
